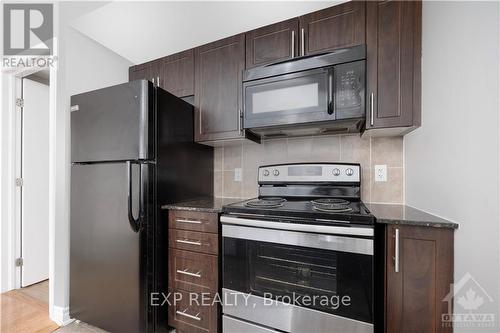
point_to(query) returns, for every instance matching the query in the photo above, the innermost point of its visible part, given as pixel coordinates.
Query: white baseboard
(60, 315)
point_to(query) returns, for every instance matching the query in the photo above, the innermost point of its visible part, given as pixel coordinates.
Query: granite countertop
(406, 215)
(208, 204)
(384, 213)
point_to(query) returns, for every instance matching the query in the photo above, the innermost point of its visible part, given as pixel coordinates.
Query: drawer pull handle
(183, 313)
(396, 251)
(188, 221)
(186, 272)
(187, 241)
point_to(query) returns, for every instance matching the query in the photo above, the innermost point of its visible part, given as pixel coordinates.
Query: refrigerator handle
(135, 224)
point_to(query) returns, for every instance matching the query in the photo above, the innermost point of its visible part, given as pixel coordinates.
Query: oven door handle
(302, 239)
(324, 229)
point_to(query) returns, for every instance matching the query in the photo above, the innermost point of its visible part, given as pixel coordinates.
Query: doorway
(32, 179)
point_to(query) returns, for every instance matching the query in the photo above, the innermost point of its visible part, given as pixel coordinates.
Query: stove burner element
(329, 201)
(331, 205)
(271, 202)
(333, 208)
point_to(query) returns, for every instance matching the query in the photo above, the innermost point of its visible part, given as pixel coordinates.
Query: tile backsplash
(349, 148)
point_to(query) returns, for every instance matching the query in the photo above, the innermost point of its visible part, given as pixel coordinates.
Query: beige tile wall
(350, 148)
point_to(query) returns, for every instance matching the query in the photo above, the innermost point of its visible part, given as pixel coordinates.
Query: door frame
(10, 196)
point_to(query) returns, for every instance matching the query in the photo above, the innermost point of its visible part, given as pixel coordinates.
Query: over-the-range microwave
(320, 94)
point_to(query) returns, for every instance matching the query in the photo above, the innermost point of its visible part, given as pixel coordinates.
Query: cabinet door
(332, 28)
(218, 88)
(139, 72)
(272, 43)
(177, 73)
(419, 270)
(148, 71)
(393, 63)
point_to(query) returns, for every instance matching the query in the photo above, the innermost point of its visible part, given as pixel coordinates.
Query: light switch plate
(237, 174)
(381, 173)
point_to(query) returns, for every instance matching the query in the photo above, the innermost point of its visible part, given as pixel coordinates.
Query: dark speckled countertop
(209, 204)
(406, 215)
(384, 213)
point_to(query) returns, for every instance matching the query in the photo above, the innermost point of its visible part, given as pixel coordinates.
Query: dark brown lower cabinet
(418, 274)
(193, 265)
(194, 313)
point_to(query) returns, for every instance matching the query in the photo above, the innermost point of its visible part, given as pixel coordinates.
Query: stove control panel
(309, 172)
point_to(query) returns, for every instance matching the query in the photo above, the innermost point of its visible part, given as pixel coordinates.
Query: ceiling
(143, 31)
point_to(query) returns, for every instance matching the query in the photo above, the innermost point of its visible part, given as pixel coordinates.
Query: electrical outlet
(381, 173)
(237, 174)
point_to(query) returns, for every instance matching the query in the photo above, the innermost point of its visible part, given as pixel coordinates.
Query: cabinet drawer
(193, 271)
(196, 221)
(194, 241)
(193, 313)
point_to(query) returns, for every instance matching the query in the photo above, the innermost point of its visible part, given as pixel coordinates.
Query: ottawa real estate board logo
(475, 307)
(28, 35)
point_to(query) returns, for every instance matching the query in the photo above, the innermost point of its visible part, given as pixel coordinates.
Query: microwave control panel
(350, 88)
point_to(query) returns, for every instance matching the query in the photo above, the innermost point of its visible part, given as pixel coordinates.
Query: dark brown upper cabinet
(177, 73)
(149, 71)
(218, 89)
(139, 72)
(419, 271)
(332, 28)
(272, 43)
(393, 39)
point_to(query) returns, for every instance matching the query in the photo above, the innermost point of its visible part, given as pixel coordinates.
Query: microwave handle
(331, 101)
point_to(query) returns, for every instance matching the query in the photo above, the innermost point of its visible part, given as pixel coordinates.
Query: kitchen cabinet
(149, 71)
(393, 40)
(177, 73)
(174, 73)
(275, 42)
(193, 265)
(418, 273)
(139, 72)
(332, 28)
(218, 89)
(194, 317)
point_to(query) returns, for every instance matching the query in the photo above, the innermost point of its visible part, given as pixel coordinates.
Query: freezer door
(114, 123)
(108, 286)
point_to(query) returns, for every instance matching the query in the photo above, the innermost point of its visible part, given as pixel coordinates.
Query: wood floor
(26, 310)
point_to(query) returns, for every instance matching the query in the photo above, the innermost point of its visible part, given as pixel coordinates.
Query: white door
(35, 189)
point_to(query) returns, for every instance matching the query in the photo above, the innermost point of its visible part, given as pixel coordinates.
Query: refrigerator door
(114, 123)
(108, 257)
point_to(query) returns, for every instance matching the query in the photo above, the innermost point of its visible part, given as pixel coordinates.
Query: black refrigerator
(132, 150)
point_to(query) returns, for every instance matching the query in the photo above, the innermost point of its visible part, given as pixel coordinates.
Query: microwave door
(288, 99)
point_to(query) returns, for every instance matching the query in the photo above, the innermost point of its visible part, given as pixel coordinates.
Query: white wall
(452, 161)
(83, 65)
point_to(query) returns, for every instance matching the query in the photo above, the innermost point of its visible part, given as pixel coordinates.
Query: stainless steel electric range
(299, 258)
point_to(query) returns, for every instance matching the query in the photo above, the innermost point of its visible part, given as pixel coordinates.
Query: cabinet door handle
(188, 273)
(158, 81)
(293, 43)
(153, 79)
(187, 241)
(302, 42)
(187, 315)
(396, 250)
(372, 98)
(188, 221)
(241, 121)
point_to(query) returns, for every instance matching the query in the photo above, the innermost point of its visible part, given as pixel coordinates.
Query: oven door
(325, 280)
(289, 99)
